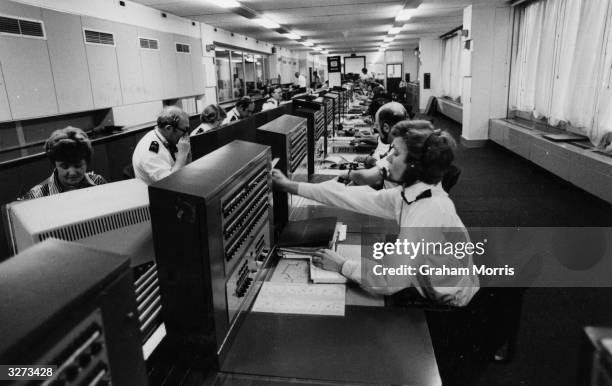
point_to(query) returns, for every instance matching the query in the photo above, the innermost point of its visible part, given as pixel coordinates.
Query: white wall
(210, 36)
(431, 62)
(485, 93)
(410, 64)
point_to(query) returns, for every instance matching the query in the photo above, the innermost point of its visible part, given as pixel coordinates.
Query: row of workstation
(231, 180)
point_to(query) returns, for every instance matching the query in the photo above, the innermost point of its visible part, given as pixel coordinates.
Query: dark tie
(173, 150)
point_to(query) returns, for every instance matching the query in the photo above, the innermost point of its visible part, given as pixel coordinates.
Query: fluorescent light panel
(307, 44)
(404, 15)
(267, 23)
(395, 30)
(292, 36)
(226, 3)
(389, 39)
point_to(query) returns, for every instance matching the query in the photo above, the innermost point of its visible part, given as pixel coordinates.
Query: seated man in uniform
(274, 100)
(69, 150)
(386, 117)
(165, 149)
(243, 108)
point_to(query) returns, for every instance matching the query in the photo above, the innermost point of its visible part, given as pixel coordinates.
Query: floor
(500, 188)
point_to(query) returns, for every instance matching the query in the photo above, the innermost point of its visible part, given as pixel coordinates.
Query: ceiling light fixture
(267, 23)
(226, 3)
(389, 39)
(317, 48)
(395, 30)
(405, 15)
(307, 44)
(292, 36)
(325, 52)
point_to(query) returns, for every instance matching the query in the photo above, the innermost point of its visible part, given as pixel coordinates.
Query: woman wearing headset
(421, 208)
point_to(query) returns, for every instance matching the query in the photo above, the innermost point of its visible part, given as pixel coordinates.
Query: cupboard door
(197, 67)
(102, 63)
(26, 67)
(128, 59)
(151, 66)
(170, 76)
(68, 61)
(5, 110)
(183, 66)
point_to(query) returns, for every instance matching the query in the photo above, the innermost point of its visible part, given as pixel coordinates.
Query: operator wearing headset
(422, 209)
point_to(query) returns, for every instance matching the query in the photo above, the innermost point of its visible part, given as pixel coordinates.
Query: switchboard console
(212, 226)
(73, 307)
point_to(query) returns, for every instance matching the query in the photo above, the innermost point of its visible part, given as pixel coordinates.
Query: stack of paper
(293, 298)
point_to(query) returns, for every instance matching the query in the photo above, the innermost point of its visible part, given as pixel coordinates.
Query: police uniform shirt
(435, 212)
(232, 116)
(152, 159)
(270, 104)
(203, 128)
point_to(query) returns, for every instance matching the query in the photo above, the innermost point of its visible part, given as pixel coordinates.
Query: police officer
(165, 149)
(243, 109)
(274, 100)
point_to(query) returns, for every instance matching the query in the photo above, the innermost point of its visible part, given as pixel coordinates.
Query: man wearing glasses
(244, 108)
(165, 149)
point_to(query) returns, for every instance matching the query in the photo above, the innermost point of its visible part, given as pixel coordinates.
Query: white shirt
(301, 81)
(430, 216)
(151, 165)
(270, 104)
(232, 116)
(381, 153)
(203, 128)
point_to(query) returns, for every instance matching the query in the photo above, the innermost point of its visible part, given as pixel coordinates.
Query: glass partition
(237, 73)
(224, 77)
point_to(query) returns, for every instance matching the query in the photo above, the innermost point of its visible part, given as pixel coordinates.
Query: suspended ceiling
(339, 26)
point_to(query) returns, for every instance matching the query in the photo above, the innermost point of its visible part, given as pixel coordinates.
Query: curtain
(561, 64)
(587, 68)
(451, 81)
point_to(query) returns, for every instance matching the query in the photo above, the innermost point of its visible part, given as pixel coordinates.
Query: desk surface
(367, 345)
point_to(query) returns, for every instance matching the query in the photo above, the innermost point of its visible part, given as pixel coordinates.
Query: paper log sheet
(299, 298)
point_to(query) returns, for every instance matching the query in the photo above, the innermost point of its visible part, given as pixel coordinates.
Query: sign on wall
(333, 64)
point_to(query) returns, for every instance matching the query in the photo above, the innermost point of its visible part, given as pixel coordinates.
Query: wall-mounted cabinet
(128, 59)
(197, 67)
(5, 110)
(167, 51)
(102, 63)
(26, 67)
(59, 63)
(183, 65)
(150, 59)
(68, 61)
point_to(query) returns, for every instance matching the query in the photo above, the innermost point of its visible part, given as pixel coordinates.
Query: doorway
(394, 77)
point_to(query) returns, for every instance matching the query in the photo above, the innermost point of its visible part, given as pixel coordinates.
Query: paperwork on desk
(293, 265)
(295, 298)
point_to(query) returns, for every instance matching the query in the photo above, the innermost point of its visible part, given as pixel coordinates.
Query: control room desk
(368, 345)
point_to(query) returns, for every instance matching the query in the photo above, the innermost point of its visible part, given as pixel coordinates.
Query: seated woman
(211, 118)
(70, 151)
(421, 208)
